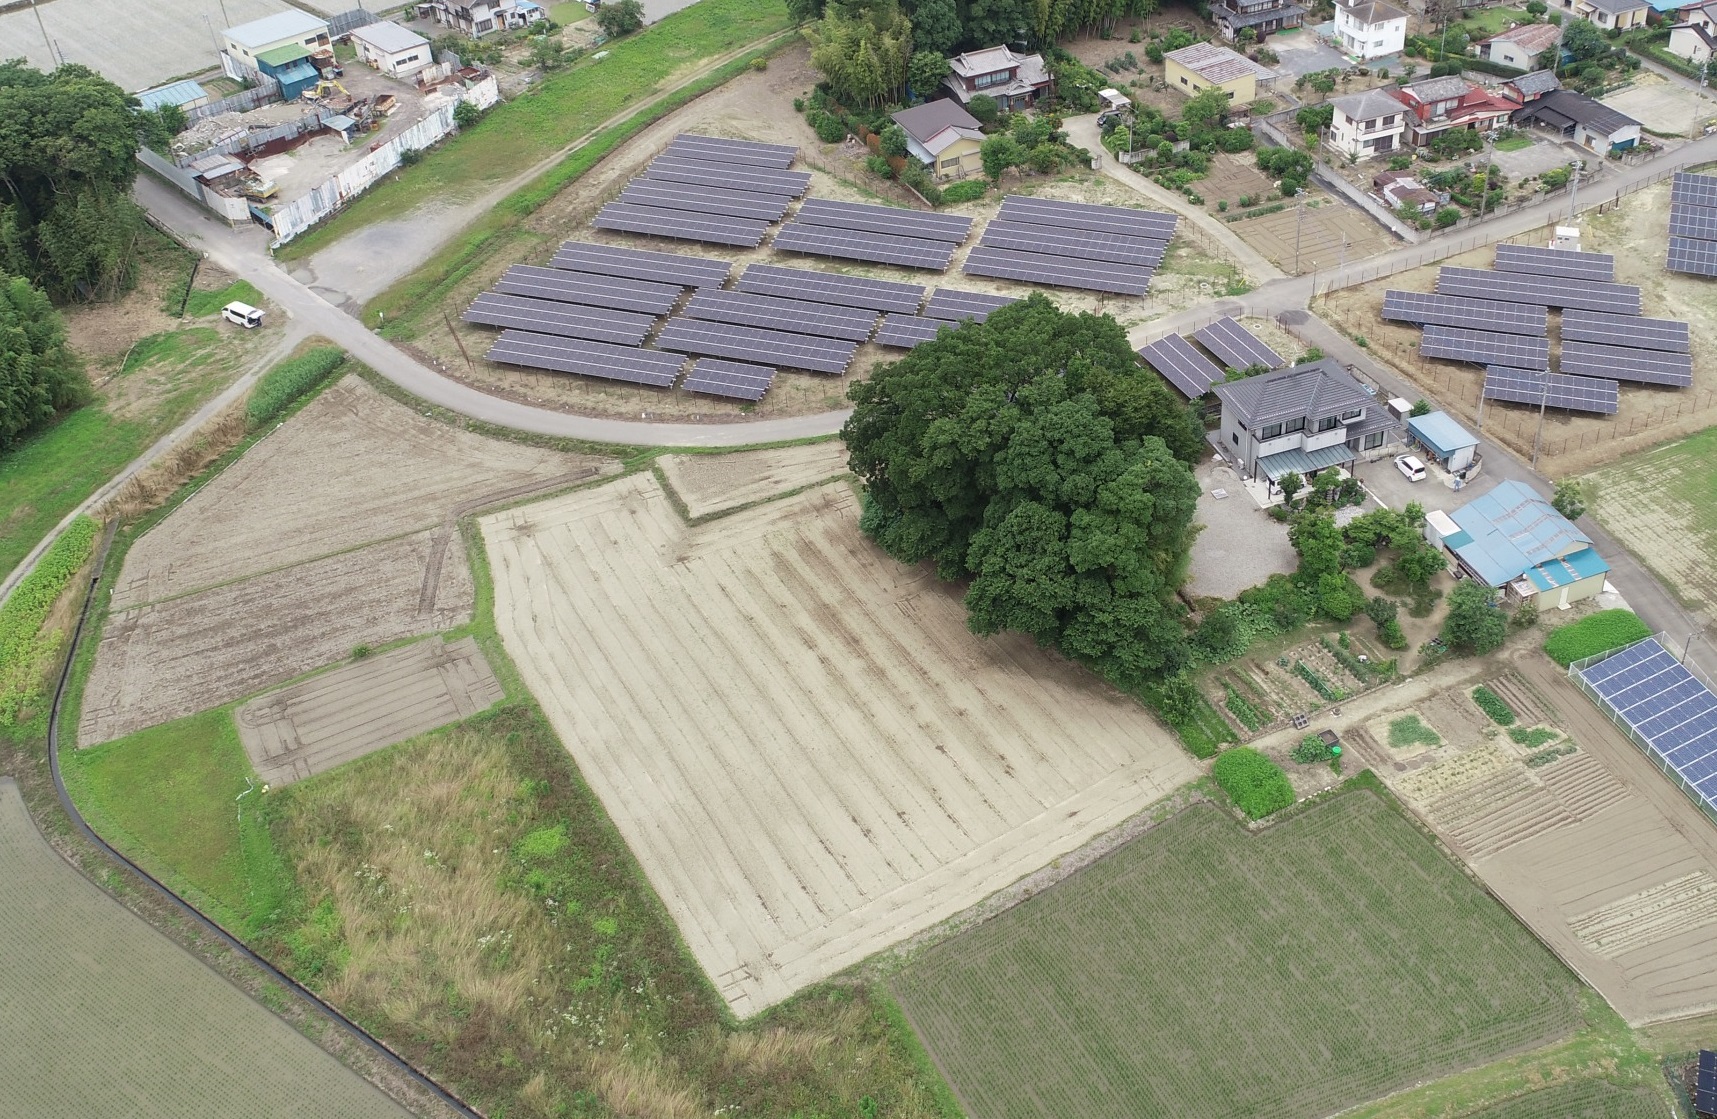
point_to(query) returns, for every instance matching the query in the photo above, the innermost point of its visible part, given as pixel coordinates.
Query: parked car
(1411, 468)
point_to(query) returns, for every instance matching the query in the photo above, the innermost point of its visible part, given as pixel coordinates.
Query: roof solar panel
(1183, 367)
(1057, 271)
(794, 316)
(892, 220)
(590, 359)
(713, 229)
(1544, 291)
(903, 332)
(1626, 330)
(955, 305)
(735, 379)
(718, 149)
(1427, 309)
(827, 287)
(568, 320)
(1485, 347)
(704, 200)
(1697, 258)
(1237, 347)
(1624, 363)
(642, 264)
(906, 252)
(588, 290)
(1536, 260)
(1080, 243)
(727, 176)
(1122, 220)
(1693, 190)
(1555, 390)
(751, 343)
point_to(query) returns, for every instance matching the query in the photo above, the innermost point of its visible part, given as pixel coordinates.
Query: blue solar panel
(1609, 666)
(1636, 682)
(1667, 707)
(1708, 787)
(1678, 708)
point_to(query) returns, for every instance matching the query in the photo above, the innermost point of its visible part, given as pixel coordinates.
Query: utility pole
(1299, 221)
(44, 28)
(1574, 190)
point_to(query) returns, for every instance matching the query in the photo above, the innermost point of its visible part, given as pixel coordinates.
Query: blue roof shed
(1447, 441)
(1512, 533)
(178, 93)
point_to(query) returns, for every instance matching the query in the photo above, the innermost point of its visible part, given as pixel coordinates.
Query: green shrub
(1390, 633)
(1182, 706)
(1534, 737)
(1594, 634)
(1545, 757)
(1251, 716)
(1492, 704)
(1318, 683)
(1310, 750)
(1255, 784)
(1410, 730)
(288, 381)
(25, 651)
(828, 127)
(878, 166)
(968, 190)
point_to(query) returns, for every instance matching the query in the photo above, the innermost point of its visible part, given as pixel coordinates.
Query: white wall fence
(232, 209)
(265, 91)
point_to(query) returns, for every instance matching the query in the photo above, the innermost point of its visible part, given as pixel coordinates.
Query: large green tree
(68, 149)
(936, 27)
(1474, 623)
(1031, 455)
(38, 374)
(863, 48)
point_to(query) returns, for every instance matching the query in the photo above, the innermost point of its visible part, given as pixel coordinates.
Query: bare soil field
(364, 707)
(1635, 231)
(1328, 232)
(710, 484)
(106, 1016)
(809, 753)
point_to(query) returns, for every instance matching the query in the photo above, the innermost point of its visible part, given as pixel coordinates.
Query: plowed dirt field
(809, 753)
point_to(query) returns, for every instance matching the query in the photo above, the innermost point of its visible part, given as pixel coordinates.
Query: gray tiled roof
(1538, 81)
(1321, 388)
(1440, 89)
(1370, 105)
(1618, 7)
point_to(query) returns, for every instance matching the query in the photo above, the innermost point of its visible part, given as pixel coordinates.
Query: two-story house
(1301, 420)
(478, 18)
(1262, 16)
(1367, 29)
(1694, 34)
(1366, 124)
(1013, 80)
(1609, 14)
(1439, 104)
(1520, 47)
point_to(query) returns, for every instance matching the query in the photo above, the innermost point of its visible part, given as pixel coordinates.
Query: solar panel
(1553, 291)
(1626, 330)
(1485, 347)
(955, 305)
(727, 176)
(1536, 260)
(1693, 190)
(827, 287)
(1057, 271)
(1426, 309)
(713, 229)
(1697, 258)
(1697, 222)
(735, 379)
(590, 359)
(568, 320)
(1624, 363)
(1122, 220)
(704, 200)
(588, 290)
(907, 252)
(1236, 346)
(1080, 243)
(1670, 712)
(751, 343)
(1555, 390)
(793, 316)
(1184, 367)
(718, 149)
(892, 220)
(642, 264)
(903, 332)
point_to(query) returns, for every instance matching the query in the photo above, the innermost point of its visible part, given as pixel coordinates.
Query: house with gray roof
(1301, 420)
(1591, 124)
(1530, 87)
(942, 136)
(1366, 124)
(1609, 14)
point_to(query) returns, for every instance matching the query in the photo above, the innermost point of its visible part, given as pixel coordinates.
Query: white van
(1410, 467)
(243, 314)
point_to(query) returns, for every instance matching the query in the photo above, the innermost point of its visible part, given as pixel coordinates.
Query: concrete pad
(1301, 52)
(1663, 106)
(364, 707)
(1544, 155)
(1240, 545)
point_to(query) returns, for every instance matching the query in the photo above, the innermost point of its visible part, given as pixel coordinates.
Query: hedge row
(288, 381)
(1594, 634)
(24, 649)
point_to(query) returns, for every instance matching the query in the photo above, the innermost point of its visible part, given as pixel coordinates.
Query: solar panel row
(1485, 347)
(591, 359)
(728, 176)
(891, 220)
(568, 320)
(1537, 260)
(1689, 189)
(1236, 346)
(1182, 366)
(1693, 225)
(903, 332)
(826, 287)
(796, 351)
(588, 290)
(641, 264)
(1543, 291)
(1698, 258)
(1120, 220)
(792, 316)
(1553, 390)
(652, 221)
(1624, 363)
(1626, 330)
(1427, 309)
(705, 200)
(1669, 710)
(1057, 271)
(955, 305)
(734, 379)
(1696, 222)
(720, 150)
(822, 240)
(1077, 243)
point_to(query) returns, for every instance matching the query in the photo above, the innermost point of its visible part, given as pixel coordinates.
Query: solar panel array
(566, 320)
(1536, 260)
(1238, 347)
(1485, 347)
(894, 221)
(1693, 224)
(1426, 309)
(904, 332)
(906, 252)
(1542, 291)
(714, 229)
(1182, 366)
(689, 145)
(592, 359)
(954, 305)
(734, 379)
(1623, 363)
(826, 287)
(588, 290)
(1705, 1084)
(699, 200)
(637, 264)
(702, 188)
(1627, 330)
(754, 343)
(1073, 245)
(794, 316)
(1553, 390)
(1670, 712)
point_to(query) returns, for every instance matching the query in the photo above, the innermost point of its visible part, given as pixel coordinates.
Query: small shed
(1447, 441)
(183, 95)
(392, 49)
(290, 66)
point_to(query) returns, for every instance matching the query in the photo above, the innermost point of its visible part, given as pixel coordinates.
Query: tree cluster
(863, 48)
(1288, 166)
(39, 376)
(1322, 585)
(1032, 456)
(620, 17)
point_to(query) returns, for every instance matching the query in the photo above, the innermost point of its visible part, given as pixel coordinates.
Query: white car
(1411, 468)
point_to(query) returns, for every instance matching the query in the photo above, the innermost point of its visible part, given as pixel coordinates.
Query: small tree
(998, 153)
(546, 54)
(1536, 9)
(1447, 216)
(466, 114)
(1474, 623)
(1569, 500)
(1526, 614)
(925, 71)
(1382, 611)
(1421, 407)
(893, 140)
(621, 17)
(1291, 484)
(985, 109)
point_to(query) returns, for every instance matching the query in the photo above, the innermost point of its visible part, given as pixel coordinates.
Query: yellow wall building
(1202, 66)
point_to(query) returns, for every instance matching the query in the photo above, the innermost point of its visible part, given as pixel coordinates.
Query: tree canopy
(863, 47)
(620, 17)
(38, 374)
(1031, 455)
(68, 153)
(1474, 624)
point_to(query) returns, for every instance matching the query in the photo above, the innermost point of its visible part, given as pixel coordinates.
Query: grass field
(1410, 730)
(565, 106)
(1202, 971)
(1582, 1099)
(1486, 22)
(1660, 504)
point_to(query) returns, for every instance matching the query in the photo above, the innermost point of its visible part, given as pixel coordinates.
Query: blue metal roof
(1567, 570)
(179, 93)
(1513, 530)
(1438, 431)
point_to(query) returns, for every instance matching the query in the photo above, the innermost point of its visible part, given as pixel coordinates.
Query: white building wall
(1369, 40)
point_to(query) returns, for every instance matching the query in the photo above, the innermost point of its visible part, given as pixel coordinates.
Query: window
(1295, 425)
(985, 81)
(1270, 432)
(484, 25)
(1235, 437)
(1183, 82)
(1328, 423)
(1374, 440)
(407, 59)
(1351, 414)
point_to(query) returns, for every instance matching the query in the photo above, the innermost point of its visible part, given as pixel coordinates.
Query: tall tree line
(948, 26)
